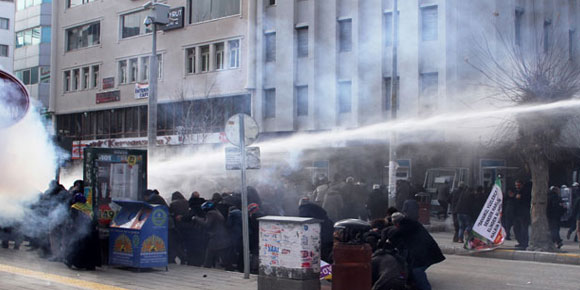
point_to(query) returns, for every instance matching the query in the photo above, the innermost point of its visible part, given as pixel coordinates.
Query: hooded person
(254, 214)
(219, 243)
(81, 249)
(178, 233)
(313, 210)
(153, 197)
(422, 250)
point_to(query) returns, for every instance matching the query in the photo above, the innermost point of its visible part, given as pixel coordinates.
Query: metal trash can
(352, 256)
(424, 200)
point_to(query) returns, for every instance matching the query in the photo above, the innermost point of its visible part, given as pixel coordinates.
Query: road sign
(232, 130)
(234, 159)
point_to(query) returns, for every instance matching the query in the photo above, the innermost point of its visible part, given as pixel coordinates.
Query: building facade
(6, 35)
(32, 47)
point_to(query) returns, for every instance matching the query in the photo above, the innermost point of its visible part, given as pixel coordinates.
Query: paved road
(22, 270)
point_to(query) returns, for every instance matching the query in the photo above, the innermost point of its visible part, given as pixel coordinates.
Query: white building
(6, 35)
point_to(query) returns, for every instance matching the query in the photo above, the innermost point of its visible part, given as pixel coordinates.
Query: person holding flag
(487, 231)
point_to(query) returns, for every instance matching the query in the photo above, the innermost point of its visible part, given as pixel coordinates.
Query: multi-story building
(32, 51)
(294, 65)
(6, 34)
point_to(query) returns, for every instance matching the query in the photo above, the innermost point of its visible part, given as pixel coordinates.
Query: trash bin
(138, 235)
(424, 200)
(352, 256)
(289, 253)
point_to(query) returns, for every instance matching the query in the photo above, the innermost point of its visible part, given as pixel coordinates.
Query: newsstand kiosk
(138, 235)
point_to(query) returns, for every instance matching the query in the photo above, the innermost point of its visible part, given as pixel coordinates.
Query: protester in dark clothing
(410, 236)
(361, 196)
(178, 235)
(197, 238)
(403, 193)
(254, 214)
(509, 212)
(234, 226)
(411, 208)
(455, 195)
(522, 213)
(377, 203)
(572, 220)
(554, 212)
(464, 209)
(195, 202)
(309, 209)
(220, 205)
(577, 211)
(82, 241)
(253, 196)
(153, 197)
(443, 199)
(58, 200)
(479, 198)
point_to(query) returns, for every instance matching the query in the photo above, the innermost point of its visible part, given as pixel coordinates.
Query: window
(23, 4)
(270, 103)
(76, 79)
(271, 2)
(518, 26)
(302, 100)
(572, 43)
(133, 70)
(387, 84)
(73, 3)
(28, 76)
(45, 74)
(83, 36)
(429, 89)
(205, 10)
(86, 78)
(123, 71)
(344, 97)
(388, 28)
(302, 41)
(429, 23)
(270, 41)
(219, 56)
(4, 23)
(30, 36)
(205, 58)
(345, 35)
(234, 47)
(547, 28)
(95, 77)
(190, 69)
(66, 80)
(144, 68)
(3, 50)
(132, 24)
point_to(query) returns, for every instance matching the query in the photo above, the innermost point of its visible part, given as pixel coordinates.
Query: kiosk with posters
(138, 235)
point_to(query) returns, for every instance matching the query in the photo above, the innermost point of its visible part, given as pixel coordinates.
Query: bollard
(289, 253)
(424, 200)
(351, 269)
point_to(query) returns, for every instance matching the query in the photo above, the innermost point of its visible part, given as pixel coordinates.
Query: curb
(507, 254)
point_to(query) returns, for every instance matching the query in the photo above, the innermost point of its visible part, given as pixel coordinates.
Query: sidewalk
(442, 232)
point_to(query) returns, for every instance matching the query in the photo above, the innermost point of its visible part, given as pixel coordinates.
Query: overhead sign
(107, 97)
(108, 83)
(141, 90)
(175, 19)
(234, 158)
(232, 129)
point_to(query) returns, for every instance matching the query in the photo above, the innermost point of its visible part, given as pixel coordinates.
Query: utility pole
(394, 85)
(152, 99)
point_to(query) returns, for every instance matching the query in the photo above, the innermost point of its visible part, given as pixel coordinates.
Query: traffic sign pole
(245, 228)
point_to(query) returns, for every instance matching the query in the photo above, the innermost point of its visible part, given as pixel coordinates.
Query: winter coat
(403, 192)
(412, 237)
(464, 203)
(333, 205)
(214, 223)
(411, 209)
(554, 210)
(443, 192)
(326, 228)
(509, 207)
(179, 205)
(455, 195)
(377, 204)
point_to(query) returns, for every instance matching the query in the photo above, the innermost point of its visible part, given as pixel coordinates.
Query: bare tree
(541, 70)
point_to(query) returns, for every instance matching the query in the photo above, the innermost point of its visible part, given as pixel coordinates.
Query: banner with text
(487, 231)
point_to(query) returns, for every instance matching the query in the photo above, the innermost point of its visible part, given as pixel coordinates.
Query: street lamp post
(394, 86)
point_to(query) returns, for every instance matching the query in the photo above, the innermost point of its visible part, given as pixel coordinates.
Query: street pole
(245, 228)
(394, 85)
(152, 100)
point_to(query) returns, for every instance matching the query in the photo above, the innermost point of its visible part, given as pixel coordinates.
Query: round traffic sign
(251, 129)
(13, 100)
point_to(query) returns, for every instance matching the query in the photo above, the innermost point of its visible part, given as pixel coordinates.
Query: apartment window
(30, 36)
(429, 89)
(95, 77)
(44, 74)
(429, 23)
(271, 2)
(66, 79)
(519, 16)
(234, 47)
(270, 41)
(83, 36)
(190, 60)
(205, 10)
(73, 3)
(86, 76)
(132, 24)
(133, 70)
(547, 28)
(345, 34)
(219, 55)
(270, 103)
(28, 76)
(302, 41)
(344, 97)
(76, 79)
(205, 58)
(159, 66)
(387, 93)
(302, 100)
(144, 68)
(123, 71)
(4, 50)
(23, 4)
(4, 23)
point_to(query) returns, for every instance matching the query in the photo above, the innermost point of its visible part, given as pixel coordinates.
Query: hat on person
(253, 208)
(397, 217)
(575, 184)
